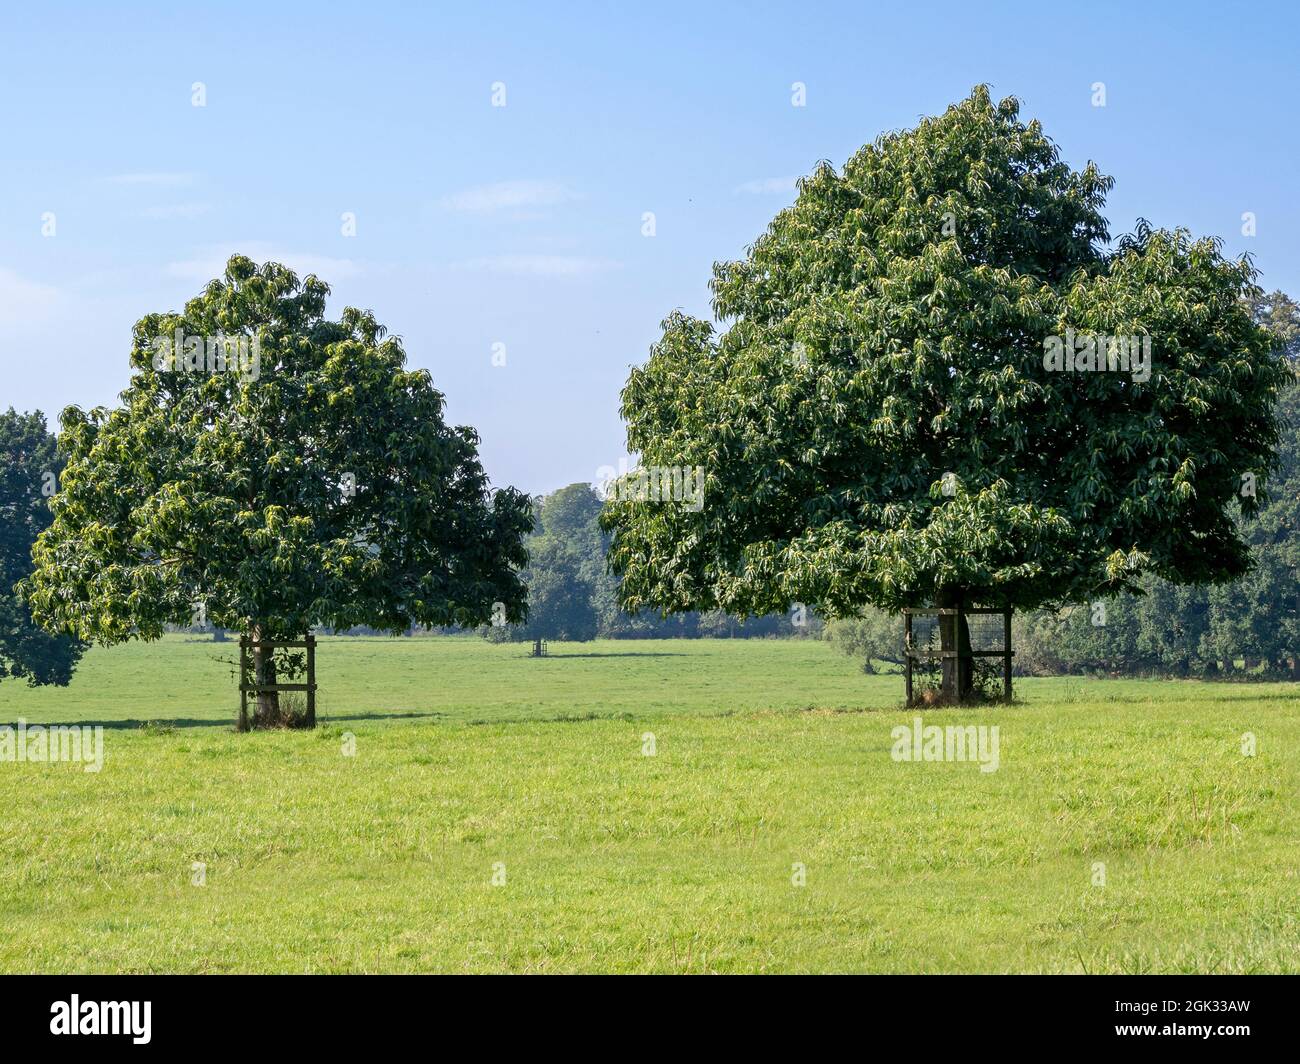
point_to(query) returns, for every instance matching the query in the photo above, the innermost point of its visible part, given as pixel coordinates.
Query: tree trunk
(958, 682)
(268, 702)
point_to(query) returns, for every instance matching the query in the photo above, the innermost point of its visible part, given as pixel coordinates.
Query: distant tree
(30, 466)
(874, 635)
(1280, 314)
(572, 596)
(885, 419)
(566, 562)
(1035, 634)
(282, 470)
(797, 623)
(1160, 632)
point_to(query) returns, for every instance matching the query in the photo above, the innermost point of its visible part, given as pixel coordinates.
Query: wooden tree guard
(911, 656)
(539, 648)
(246, 646)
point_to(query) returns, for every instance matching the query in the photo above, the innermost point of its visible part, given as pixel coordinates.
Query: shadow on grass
(622, 654)
(131, 723)
(162, 724)
(330, 718)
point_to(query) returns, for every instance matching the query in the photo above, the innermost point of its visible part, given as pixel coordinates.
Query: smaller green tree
(281, 471)
(566, 561)
(30, 466)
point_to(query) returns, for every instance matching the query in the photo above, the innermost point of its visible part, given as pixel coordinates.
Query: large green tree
(881, 418)
(271, 470)
(30, 466)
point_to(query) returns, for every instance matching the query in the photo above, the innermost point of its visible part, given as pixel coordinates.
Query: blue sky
(522, 225)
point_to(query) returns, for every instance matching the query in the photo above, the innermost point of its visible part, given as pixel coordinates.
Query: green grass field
(471, 759)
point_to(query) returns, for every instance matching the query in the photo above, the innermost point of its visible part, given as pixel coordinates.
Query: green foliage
(885, 339)
(566, 565)
(1259, 617)
(1164, 631)
(1280, 315)
(573, 596)
(1253, 621)
(874, 635)
(29, 467)
(231, 489)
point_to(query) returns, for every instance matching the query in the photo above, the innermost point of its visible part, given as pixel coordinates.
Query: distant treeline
(572, 595)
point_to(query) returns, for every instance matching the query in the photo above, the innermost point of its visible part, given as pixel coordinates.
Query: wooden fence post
(243, 683)
(311, 681)
(1006, 655)
(246, 643)
(907, 651)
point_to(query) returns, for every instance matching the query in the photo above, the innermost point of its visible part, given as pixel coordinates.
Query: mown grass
(191, 681)
(768, 754)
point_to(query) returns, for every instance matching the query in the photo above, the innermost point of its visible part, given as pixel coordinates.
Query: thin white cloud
(769, 186)
(540, 265)
(212, 262)
(22, 301)
(168, 211)
(508, 195)
(153, 178)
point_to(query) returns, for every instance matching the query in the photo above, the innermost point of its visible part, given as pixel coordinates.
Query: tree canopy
(883, 415)
(566, 564)
(30, 466)
(277, 470)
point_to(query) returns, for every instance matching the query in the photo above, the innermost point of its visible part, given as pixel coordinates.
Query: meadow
(644, 806)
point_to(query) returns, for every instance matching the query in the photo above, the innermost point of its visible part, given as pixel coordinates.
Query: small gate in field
(923, 652)
(248, 683)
